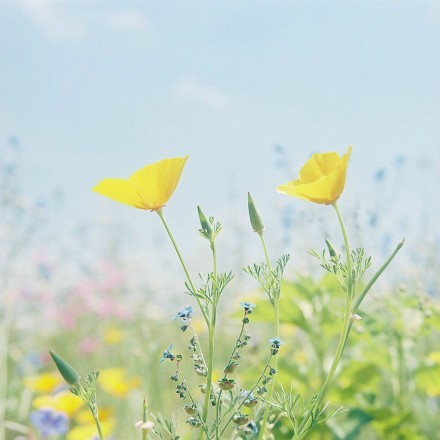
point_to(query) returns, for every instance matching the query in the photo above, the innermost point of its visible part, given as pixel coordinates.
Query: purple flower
(50, 422)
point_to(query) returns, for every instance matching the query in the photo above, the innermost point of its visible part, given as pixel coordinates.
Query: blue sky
(99, 88)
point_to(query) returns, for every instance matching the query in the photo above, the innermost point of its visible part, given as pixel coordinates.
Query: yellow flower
(64, 401)
(89, 431)
(148, 188)
(115, 382)
(113, 336)
(44, 383)
(321, 179)
(85, 417)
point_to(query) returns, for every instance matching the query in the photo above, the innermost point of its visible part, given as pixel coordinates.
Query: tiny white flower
(144, 425)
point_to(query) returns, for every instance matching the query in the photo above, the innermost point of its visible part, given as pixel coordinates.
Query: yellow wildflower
(89, 431)
(113, 336)
(85, 417)
(321, 179)
(44, 383)
(115, 382)
(64, 401)
(434, 357)
(148, 188)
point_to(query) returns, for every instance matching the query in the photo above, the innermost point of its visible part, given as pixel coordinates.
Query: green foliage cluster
(389, 378)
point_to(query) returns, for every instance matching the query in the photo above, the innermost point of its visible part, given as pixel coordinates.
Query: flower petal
(343, 173)
(156, 182)
(319, 165)
(120, 190)
(319, 191)
(321, 180)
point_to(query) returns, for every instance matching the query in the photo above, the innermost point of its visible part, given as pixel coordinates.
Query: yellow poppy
(148, 188)
(64, 401)
(44, 383)
(89, 431)
(321, 179)
(115, 382)
(85, 416)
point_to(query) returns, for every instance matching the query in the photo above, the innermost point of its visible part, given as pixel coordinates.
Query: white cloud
(52, 19)
(190, 89)
(72, 19)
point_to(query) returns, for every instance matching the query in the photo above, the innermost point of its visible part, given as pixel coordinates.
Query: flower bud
(204, 222)
(70, 375)
(230, 368)
(190, 410)
(257, 221)
(331, 249)
(226, 384)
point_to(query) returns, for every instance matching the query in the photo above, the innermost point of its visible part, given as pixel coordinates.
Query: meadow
(96, 317)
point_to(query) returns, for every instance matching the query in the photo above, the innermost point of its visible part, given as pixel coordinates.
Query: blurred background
(249, 89)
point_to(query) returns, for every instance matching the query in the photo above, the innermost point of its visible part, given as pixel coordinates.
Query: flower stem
(98, 425)
(276, 305)
(144, 419)
(267, 366)
(218, 407)
(209, 376)
(376, 276)
(188, 276)
(346, 328)
(346, 245)
(204, 427)
(211, 336)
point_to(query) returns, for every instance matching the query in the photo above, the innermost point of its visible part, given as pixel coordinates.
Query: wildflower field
(90, 350)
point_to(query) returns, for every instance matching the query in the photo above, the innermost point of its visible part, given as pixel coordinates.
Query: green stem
(347, 246)
(211, 336)
(276, 304)
(344, 334)
(144, 419)
(188, 276)
(247, 395)
(218, 407)
(204, 427)
(209, 376)
(376, 276)
(266, 253)
(98, 425)
(200, 346)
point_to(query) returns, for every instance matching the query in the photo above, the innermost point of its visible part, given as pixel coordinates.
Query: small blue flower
(251, 427)
(167, 354)
(248, 307)
(50, 422)
(276, 343)
(185, 313)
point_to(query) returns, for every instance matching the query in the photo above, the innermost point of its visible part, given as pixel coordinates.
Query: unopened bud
(204, 222)
(70, 375)
(331, 249)
(257, 221)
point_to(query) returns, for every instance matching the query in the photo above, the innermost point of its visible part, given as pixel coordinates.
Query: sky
(249, 89)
